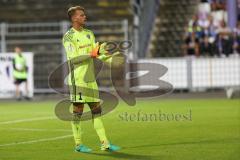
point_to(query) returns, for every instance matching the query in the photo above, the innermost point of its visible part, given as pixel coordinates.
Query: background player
(20, 73)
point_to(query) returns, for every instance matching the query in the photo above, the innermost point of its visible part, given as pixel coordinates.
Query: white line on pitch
(36, 141)
(40, 130)
(27, 120)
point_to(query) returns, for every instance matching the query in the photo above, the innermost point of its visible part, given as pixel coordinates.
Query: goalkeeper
(81, 49)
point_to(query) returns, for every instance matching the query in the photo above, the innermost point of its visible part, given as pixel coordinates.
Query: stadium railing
(45, 41)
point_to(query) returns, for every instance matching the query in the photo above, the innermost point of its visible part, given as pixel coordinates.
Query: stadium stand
(213, 35)
(55, 10)
(170, 26)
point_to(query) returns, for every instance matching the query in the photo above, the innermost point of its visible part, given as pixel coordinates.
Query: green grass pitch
(211, 131)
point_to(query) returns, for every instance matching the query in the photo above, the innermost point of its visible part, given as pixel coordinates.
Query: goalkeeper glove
(114, 60)
(95, 52)
(102, 48)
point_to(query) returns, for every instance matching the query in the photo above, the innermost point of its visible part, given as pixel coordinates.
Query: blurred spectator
(194, 27)
(208, 34)
(204, 24)
(197, 30)
(204, 9)
(191, 45)
(236, 38)
(206, 47)
(218, 11)
(211, 30)
(191, 22)
(224, 39)
(208, 43)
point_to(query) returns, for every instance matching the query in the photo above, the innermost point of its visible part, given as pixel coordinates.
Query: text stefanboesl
(157, 116)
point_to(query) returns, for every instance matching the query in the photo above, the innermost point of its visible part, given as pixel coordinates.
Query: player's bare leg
(18, 92)
(26, 91)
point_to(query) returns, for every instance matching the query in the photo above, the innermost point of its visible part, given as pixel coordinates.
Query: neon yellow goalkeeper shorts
(85, 93)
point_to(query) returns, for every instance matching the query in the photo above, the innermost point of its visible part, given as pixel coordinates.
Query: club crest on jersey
(88, 36)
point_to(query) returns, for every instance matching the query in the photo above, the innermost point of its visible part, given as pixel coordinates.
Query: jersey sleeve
(93, 42)
(70, 47)
(14, 63)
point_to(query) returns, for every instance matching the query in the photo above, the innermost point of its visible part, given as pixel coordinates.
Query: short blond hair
(71, 11)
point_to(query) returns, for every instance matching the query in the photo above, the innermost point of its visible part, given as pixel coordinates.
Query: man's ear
(73, 18)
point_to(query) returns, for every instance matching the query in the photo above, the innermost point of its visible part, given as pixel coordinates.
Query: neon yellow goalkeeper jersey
(79, 44)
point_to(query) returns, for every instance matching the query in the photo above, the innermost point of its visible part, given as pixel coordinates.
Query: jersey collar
(77, 30)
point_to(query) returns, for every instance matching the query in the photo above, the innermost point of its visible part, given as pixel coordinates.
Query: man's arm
(14, 64)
